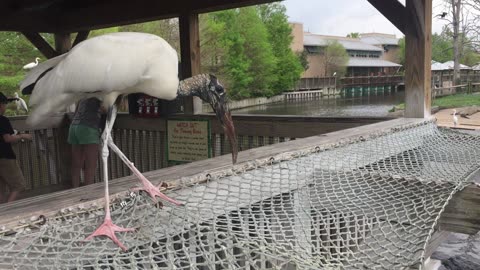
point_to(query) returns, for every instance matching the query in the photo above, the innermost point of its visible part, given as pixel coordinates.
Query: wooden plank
(418, 58)
(393, 10)
(37, 40)
(462, 214)
(49, 204)
(190, 56)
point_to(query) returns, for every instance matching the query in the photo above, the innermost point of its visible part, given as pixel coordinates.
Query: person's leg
(15, 180)
(78, 158)
(13, 195)
(91, 158)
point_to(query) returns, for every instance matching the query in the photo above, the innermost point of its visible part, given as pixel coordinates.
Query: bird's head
(37, 58)
(209, 89)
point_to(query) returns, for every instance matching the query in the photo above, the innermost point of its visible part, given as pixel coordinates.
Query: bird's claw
(108, 229)
(154, 191)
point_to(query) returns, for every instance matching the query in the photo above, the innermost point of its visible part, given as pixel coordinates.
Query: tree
(336, 58)
(288, 64)
(463, 27)
(354, 35)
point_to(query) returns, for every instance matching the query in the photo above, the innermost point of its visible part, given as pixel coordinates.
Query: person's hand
(26, 136)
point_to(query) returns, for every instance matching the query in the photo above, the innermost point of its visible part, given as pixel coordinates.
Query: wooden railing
(46, 160)
(371, 80)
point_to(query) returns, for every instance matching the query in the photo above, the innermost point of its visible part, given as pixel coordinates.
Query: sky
(340, 17)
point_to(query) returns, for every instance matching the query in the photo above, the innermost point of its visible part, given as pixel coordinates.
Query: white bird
(32, 64)
(455, 118)
(334, 74)
(107, 67)
(21, 104)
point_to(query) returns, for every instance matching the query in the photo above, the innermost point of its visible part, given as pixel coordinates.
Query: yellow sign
(188, 140)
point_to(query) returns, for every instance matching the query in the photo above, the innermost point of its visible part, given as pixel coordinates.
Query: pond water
(371, 105)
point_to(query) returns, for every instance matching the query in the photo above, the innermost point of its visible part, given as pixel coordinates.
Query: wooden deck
(445, 119)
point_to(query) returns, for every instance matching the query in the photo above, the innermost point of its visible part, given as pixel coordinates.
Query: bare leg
(108, 228)
(78, 159)
(91, 158)
(13, 195)
(152, 190)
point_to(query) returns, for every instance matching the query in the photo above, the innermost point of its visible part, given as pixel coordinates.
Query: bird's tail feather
(50, 112)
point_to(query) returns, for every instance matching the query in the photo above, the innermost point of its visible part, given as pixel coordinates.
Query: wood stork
(32, 64)
(107, 67)
(455, 118)
(21, 104)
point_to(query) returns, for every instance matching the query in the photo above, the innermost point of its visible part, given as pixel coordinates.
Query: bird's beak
(225, 117)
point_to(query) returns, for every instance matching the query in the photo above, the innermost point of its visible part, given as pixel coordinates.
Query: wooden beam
(37, 40)
(462, 214)
(63, 42)
(190, 56)
(81, 36)
(99, 14)
(418, 38)
(393, 10)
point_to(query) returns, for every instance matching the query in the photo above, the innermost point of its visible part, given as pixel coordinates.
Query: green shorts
(80, 134)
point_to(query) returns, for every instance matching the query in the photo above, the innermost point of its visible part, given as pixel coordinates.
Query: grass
(453, 101)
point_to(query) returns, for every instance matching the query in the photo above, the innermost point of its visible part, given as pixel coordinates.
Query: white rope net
(367, 203)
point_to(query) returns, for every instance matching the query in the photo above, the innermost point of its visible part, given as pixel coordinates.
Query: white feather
(455, 118)
(21, 104)
(105, 67)
(32, 64)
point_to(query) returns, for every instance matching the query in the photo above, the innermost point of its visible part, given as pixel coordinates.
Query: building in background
(373, 54)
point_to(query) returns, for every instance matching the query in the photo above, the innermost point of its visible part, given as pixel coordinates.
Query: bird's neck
(192, 86)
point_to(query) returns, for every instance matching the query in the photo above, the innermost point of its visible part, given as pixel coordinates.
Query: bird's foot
(154, 191)
(108, 229)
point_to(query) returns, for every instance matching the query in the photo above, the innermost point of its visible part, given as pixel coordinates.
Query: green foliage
(279, 31)
(442, 50)
(354, 35)
(401, 51)
(336, 58)
(458, 100)
(250, 49)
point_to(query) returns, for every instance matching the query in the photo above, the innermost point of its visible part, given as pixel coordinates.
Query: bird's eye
(219, 89)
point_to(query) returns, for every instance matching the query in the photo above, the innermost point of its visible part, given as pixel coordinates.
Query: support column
(418, 58)
(190, 56)
(63, 43)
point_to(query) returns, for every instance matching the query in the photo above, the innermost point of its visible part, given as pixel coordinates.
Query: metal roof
(348, 43)
(368, 62)
(438, 66)
(449, 65)
(477, 67)
(380, 40)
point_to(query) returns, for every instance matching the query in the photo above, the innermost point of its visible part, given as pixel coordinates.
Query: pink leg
(108, 228)
(152, 190)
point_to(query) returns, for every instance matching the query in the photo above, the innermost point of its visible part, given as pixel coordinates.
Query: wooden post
(190, 56)
(418, 58)
(63, 43)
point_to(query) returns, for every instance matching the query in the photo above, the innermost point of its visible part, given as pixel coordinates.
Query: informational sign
(188, 140)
